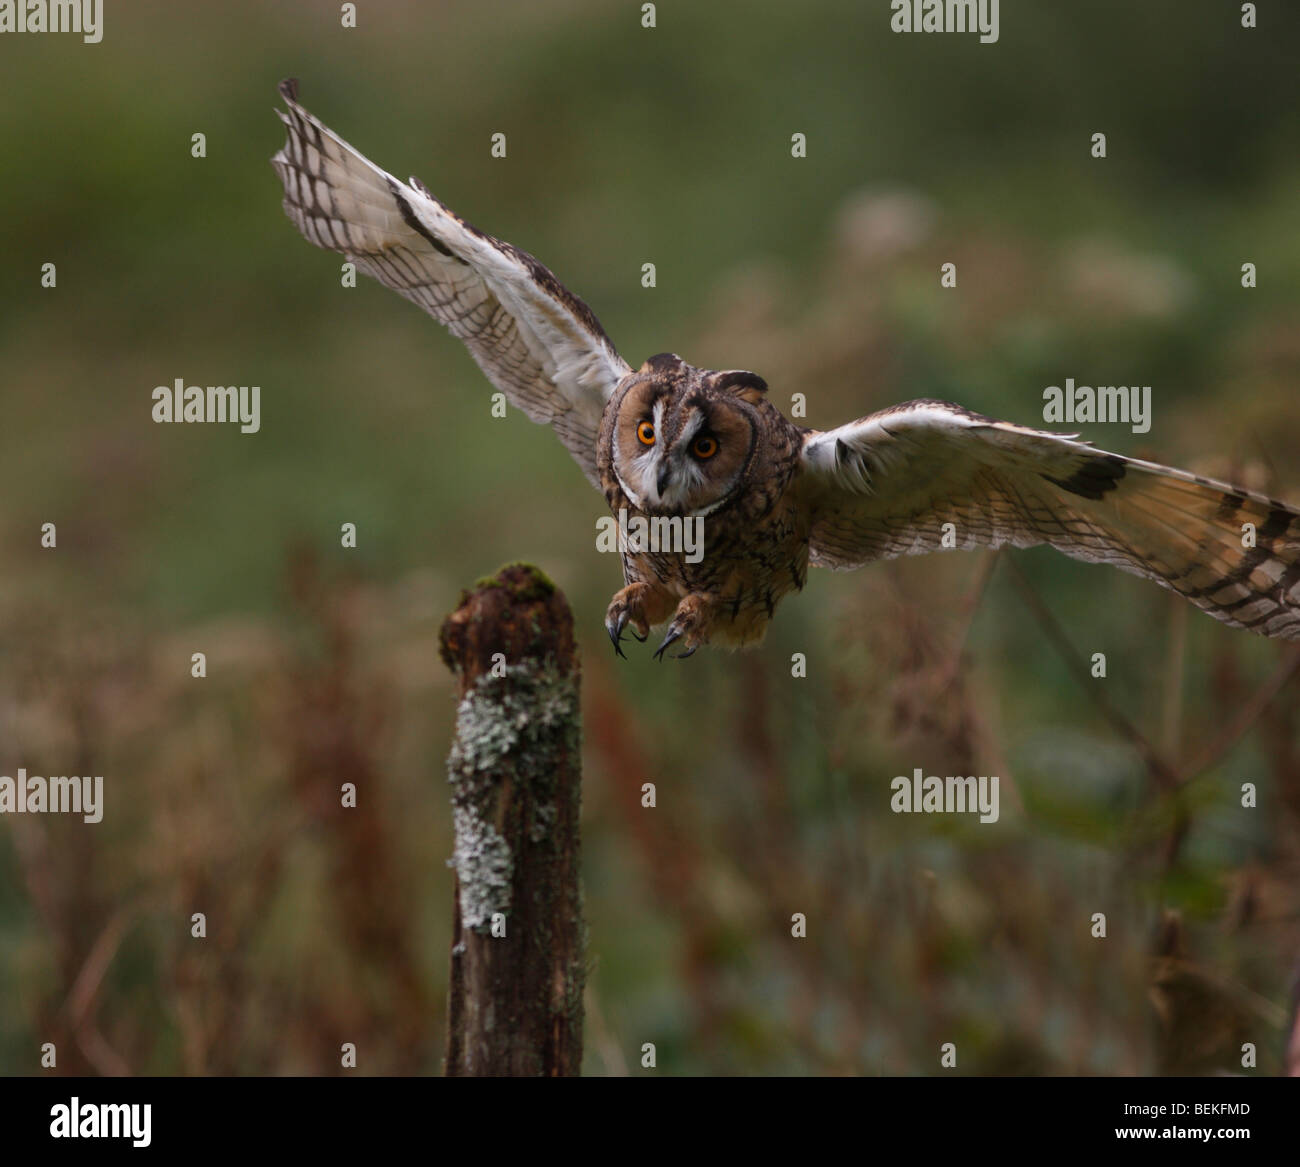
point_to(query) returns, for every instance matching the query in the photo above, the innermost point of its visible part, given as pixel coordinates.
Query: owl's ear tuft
(739, 383)
(662, 363)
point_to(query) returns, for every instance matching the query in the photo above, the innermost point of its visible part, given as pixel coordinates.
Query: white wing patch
(891, 483)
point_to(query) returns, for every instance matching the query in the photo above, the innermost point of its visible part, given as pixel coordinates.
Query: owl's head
(682, 438)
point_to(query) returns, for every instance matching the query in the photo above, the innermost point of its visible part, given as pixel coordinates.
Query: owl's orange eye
(705, 447)
(646, 433)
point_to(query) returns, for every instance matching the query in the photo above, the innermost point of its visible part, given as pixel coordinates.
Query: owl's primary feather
(537, 342)
(670, 441)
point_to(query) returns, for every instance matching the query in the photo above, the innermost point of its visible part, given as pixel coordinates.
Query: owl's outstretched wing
(536, 341)
(887, 484)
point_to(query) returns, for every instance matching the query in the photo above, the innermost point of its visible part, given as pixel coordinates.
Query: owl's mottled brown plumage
(755, 532)
(669, 441)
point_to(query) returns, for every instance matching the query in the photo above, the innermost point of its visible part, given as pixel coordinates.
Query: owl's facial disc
(680, 452)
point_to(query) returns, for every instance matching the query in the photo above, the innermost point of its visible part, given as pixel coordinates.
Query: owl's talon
(616, 632)
(674, 634)
(633, 610)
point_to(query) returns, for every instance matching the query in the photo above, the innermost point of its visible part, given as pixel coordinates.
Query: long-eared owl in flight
(670, 441)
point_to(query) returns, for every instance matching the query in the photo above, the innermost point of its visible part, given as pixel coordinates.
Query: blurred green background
(628, 146)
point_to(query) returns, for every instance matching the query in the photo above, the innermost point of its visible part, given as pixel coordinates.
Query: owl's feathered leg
(640, 605)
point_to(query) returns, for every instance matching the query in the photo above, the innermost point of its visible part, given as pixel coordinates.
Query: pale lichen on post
(529, 713)
(518, 952)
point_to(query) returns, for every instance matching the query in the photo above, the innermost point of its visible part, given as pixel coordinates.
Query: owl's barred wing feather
(537, 342)
(887, 484)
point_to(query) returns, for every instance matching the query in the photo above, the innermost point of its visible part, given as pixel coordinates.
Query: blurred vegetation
(629, 146)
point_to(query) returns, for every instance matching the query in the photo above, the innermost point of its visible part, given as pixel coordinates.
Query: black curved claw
(633, 633)
(674, 633)
(615, 632)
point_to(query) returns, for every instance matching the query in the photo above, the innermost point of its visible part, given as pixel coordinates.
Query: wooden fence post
(518, 948)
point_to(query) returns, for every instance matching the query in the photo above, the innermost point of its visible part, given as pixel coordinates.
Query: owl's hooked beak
(661, 479)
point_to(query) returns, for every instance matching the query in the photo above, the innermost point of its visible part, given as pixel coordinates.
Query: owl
(722, 502)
